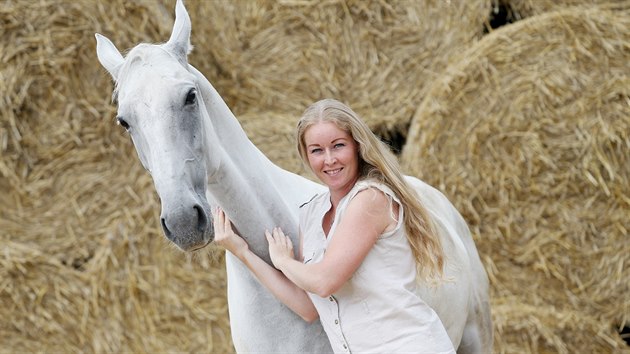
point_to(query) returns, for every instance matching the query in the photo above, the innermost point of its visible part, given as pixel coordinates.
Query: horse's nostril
(202, 219)
(167, 232)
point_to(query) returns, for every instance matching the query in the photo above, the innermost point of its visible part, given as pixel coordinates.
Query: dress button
(345, 346)
(336, 321)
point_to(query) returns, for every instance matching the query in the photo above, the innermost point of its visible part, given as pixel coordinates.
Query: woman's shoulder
(369, 205)
(376, 188)
(368, 195)
(370, 198)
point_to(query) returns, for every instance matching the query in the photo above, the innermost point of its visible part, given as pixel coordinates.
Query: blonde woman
(363, 243)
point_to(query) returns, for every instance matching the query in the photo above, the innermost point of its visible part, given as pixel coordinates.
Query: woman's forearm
(319, 278)
(308, 276)
(280, 286)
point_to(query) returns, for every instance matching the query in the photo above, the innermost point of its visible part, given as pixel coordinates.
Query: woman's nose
(329, 159)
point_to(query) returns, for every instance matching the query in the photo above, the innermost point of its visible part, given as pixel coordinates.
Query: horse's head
(158, 105)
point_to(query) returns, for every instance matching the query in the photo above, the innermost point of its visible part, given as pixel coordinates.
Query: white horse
(198, 155)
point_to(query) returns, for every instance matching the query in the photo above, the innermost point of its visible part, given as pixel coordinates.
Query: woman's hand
(225, 236)
(280, 247)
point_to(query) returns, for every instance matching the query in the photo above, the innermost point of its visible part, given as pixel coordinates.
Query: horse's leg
(262, 324)
(477, 336)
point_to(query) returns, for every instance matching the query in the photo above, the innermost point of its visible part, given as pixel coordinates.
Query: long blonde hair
(377, 162)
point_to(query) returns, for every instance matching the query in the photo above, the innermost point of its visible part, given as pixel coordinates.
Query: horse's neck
(255, 193)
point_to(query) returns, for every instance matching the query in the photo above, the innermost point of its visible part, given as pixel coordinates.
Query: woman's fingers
(227, 224)
(289, 243)
(279, 239)
(269, 237)
(278, 235)
(225, 236)
(285, 239)
(222, 224)
(215, 220)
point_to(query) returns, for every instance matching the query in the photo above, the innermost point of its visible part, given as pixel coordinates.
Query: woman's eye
(339, 145)
(123, 123)
(314, 151)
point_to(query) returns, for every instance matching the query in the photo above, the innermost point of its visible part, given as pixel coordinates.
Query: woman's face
(333, 156)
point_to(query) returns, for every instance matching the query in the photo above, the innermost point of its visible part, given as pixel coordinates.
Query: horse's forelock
(131, 61)
(133, 58)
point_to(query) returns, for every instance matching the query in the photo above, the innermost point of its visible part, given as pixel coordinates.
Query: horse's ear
(108, 55)
(179, 43)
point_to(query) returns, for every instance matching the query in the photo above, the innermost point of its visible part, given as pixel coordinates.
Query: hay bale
(274, 134)
(520, 9)
(377, 56)
(83, 264)
(528, 135)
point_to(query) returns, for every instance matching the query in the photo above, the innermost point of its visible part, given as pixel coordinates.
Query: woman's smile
(333, 172)
(333, 156)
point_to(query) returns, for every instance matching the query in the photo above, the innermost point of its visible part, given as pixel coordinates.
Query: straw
(528, 134)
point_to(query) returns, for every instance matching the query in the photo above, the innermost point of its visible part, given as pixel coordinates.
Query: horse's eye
(191, 97)
(122, 123)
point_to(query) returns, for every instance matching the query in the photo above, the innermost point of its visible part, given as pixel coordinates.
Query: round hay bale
(376, 56)
(84, 266)
(274, 134)
(519, 9)
(528, 135)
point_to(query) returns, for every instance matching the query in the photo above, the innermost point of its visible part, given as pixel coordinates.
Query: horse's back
(458, 300)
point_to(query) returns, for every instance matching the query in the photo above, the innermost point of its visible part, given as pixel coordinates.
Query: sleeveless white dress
(377, 310)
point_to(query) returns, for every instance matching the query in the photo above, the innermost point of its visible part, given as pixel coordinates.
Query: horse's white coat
(198, 155)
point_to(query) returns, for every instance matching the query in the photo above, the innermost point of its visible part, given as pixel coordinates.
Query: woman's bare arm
(365, 219)
(280, 286)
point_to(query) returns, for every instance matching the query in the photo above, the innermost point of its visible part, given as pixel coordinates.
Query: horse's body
(198, 156)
